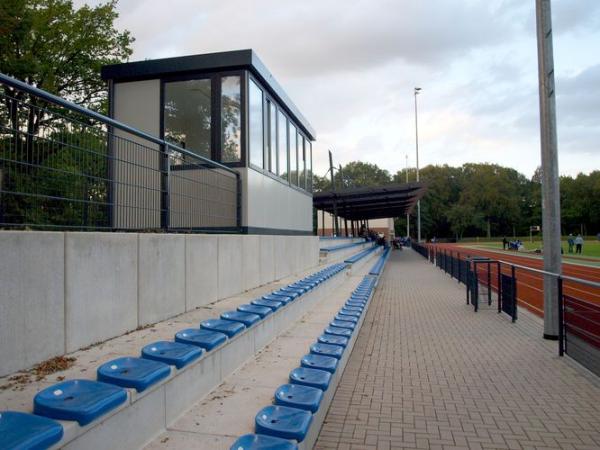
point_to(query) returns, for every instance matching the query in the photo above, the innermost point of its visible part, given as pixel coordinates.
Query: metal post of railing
(165, 169)
(468, 277)
(238, 183)
(514, 293)
(499, 269)
(489, 283)
(561, 318)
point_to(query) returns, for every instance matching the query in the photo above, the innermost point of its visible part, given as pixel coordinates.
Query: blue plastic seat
(310, 377)
(302, 288)
(353, 308)
(268, 303)
(299, 396)
(283, 422)
(285, 299)
(347, 318)
(20, 431)
(359, 303)
(262, 442)
(248, 319)
(296, 292)
(347, 312)
(223, 326)
(338, 331)
(136, 373)
(202, 338)
(262, 311)
(173, 353)
(334, 340)
(321, 362)
(79, 400)
(287, 293)
(336, 351)
(342, 324)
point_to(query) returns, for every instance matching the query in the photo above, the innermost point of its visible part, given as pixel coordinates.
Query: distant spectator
(578, 244)
(571, 242)
(504, 243)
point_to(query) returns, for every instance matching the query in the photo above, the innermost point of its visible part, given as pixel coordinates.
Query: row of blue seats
(378, 267)
(355, 258)
(287, 421)
(86, 400)
(342, 246)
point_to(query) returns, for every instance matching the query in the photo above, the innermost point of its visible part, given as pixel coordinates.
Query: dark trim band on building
(222, 61)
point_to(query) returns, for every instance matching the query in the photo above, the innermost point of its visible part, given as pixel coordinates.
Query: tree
(51, 45)
(360, 174)
(57, 155)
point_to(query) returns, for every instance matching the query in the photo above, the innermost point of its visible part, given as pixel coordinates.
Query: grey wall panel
(136, 187)
(269, 203)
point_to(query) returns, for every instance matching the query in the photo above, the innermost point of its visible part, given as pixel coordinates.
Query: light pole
(417, 90)
(550, 180)
(407, 214)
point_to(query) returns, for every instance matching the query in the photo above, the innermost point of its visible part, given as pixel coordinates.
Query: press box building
(226, 107)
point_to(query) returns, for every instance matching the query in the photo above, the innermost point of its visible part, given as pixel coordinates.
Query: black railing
(66, 167)
(578, 318)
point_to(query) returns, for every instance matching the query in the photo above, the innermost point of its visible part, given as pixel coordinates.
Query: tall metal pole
(417, 90)
(407, 214)
(550, 180)
(335, 214)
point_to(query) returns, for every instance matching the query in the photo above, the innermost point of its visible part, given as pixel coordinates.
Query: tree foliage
(51, 45)
(482, 199)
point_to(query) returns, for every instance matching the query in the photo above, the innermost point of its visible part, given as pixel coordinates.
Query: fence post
(514, 294)
(561, 319)
(239, 203)
(499, 287)
(165, 169)
(489, 283)
(499, 269)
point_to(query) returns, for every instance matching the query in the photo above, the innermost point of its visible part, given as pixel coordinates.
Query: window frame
(215, 124)
(264, 131)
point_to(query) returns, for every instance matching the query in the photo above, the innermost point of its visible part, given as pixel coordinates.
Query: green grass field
(591, 247)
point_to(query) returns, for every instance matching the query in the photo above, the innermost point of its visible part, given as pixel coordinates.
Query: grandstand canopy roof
(376, 202)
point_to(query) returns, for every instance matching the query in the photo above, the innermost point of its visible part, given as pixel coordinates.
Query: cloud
(350, 66)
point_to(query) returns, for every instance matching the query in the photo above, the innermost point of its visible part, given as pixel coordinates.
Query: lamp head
(417, 90)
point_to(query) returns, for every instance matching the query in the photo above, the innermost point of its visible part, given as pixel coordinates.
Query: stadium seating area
(120, 380)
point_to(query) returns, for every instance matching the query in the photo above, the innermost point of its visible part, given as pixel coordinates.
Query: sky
(351, 66)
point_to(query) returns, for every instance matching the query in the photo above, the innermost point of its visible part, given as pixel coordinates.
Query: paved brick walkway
(428, 373)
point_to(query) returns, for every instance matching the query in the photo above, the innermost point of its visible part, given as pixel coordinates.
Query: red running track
(529, 284)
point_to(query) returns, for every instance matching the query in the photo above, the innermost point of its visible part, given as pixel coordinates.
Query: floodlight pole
(550, 181)
(407, 214)
(417, 90)
(335, 214)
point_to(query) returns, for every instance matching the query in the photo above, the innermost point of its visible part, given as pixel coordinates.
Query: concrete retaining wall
(64, 291)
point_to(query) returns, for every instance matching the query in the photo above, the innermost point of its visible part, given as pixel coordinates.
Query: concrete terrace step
(144, 414)
(342, 251)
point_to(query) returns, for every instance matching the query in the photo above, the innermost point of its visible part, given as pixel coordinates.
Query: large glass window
(255, 132)
(302, 157)
(272, 138)
(282, 145)
(293, 155)
(187, 115)
(231, 119)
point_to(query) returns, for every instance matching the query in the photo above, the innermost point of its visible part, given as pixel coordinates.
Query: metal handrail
(18, 84)
(555, 275)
